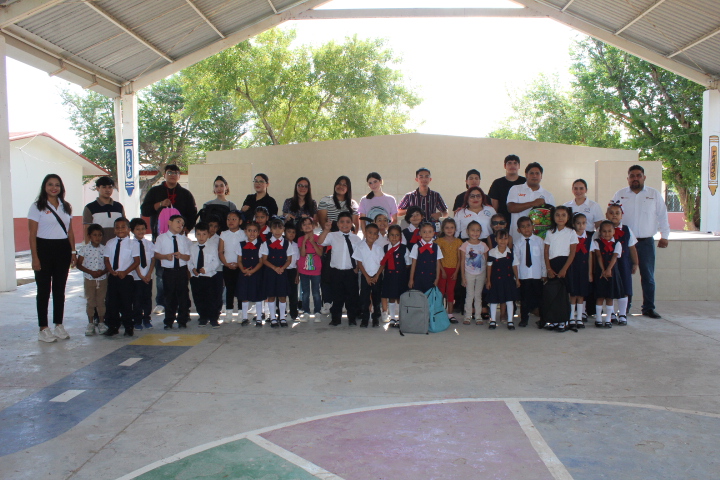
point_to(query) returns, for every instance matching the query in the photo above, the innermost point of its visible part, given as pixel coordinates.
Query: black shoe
(352, 322)
(622, 320)
(245, 322)
(651, 314)
(334, 323)
(511, 326)
(111, 332)
(168, 327)
(182, 325)
(364, 324)
(274, 324)
(283, 323)
(453, 320)
(523, 323)
(128, 332)
(376, 323)
(580, 325)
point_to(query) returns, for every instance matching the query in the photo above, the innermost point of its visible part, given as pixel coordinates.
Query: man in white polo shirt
(644, 211)
(523, 198)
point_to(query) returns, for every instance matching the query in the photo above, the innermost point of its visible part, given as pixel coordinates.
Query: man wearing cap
(645, 212)
(103, 211)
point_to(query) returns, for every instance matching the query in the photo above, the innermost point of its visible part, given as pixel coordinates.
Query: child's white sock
(282, 310)
(272, 311)
(608, 312)
(573, 308)
(258, 310)
(245, 306)
(622, 306)
(584, 307)
(509, 307)
(392, 310)
(493, 311)
(598, 313)
(580, 310)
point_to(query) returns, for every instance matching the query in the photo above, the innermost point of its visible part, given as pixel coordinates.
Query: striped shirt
(327, 203)
(430, 203)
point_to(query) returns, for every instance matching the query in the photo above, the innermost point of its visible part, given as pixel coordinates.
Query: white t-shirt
(370, 258)
(48, 226)
(93, 259)
(474, 257)
(465, 216)
(231, 244)
(590, 209)
(386, 201)
(560, 242)
(523, 194)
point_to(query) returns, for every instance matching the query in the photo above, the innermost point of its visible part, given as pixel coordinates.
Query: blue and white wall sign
(129, 166)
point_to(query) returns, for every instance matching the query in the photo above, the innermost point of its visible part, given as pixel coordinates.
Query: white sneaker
(46, 335)
(102, 328)
(325, 310)
(159, 309)
(90, 330)
(317, 319)
(303, 318)
(60, 332)
(385, 317)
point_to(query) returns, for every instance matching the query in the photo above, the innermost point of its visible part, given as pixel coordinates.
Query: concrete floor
(569, 387)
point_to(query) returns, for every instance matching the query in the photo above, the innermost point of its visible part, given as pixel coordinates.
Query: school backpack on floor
(414, 312)
(439, 321)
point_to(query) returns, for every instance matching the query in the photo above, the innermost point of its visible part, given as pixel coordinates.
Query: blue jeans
(160, 293)
(646, 263)
(306, 283)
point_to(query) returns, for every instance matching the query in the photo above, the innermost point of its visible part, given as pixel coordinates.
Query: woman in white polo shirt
(52, 244)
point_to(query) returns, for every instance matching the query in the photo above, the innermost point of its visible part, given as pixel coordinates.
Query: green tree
(661, 112)
(302, 94)
(546, 113)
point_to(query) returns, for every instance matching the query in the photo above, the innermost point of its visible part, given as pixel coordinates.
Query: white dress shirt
(560, 242)
(211, 259)
(48, 226)
(617, 249)
(631, 242)
(590, 209)
(340, 258)
(644, 212)
(264, 250)
(149, 257)
(370, 258)
(164, 245)
(129, 249)
(231, 244)
(465, 216)
(537, 254)
(422, 243)
(294, 252)
(523, 194)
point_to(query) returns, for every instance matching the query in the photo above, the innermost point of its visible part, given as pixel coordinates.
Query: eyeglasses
(302, 185)
(497, 223)
(172, 173)
(259, 181)
(476, 195)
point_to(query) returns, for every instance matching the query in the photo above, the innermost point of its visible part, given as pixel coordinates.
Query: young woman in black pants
(52, 244)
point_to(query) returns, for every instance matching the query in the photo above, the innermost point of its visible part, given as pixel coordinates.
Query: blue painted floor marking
(36, 419)
(601, 442)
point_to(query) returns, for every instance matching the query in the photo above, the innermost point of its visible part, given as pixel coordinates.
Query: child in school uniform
(262, 217)
(142, 276)
(122, 256)
(529, 259)
(291, 272)
(451, 264)
(411, 235)
(627, 262)
(276, 257)
(497, 223)
(560, 245)
(380, 217)
(343, 268)
(91, 261)
(580, 274)
(395, 262)
(172, 248)
(426, 256)
(369, 256)
(309, 268)
(502, 283)
(250, 284)
(473, 261)
(608, 282)
(228, 245)
(206, 281)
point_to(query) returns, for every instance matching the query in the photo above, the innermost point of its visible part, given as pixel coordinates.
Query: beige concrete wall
(611, 176)
(396, 157)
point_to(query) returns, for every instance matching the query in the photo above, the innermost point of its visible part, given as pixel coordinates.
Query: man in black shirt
(167, 194)
(500, 187)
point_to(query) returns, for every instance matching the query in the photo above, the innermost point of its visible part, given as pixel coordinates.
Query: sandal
(560, 327)
(580, 325)
(466, 321)
(485, 316)
(479, 322)
(492, 325)
(452, 319)
(598, 324)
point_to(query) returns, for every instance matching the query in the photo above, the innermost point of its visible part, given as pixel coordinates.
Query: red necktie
(618, 233)
(249, 246)
(277, 245)
(609, 246)
(415, 236)
(581, 247)
(426, 248)
(389, 257)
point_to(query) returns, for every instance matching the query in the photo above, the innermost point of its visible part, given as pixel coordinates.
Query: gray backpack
(414, 312)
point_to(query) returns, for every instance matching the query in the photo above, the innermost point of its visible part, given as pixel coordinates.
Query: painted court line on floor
(551, 461)
(129, 362)
(259, 431)
(306, 465)
(66, 396)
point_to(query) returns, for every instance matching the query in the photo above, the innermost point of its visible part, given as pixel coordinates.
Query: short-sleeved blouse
(327, 203)
(386, 201)
(48, 226)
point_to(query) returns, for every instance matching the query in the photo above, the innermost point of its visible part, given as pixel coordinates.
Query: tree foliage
(303, 94)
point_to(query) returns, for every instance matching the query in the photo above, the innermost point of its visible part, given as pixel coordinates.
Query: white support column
(8, 280)
(709, 188)
(126, 145)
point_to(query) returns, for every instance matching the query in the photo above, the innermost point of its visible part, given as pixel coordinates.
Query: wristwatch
(74, 252)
